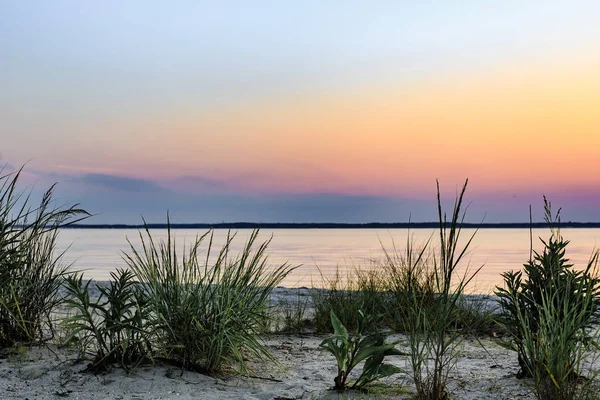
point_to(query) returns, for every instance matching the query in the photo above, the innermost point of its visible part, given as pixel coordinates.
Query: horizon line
(330, 225)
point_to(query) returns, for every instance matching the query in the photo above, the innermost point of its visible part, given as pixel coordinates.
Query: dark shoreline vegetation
(185, 308)
(369, 225)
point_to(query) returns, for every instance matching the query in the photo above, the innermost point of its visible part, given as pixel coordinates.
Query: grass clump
(291, 315)
(31, 272)
(363, 290)
(408, 277)
(548, 309)
(389, 289)
(431, 326)
(206, 314)
(475, 316)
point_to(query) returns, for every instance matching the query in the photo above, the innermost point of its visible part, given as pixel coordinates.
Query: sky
(335, 111)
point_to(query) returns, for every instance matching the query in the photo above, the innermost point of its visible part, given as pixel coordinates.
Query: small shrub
(350, 350)
(31, 272)
(114, 326)
(548, 309)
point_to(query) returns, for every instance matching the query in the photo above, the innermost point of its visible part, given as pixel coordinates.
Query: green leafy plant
(349, 350)
(206, 314)
(548, 309)
(115, 326)
(31, 271)
(557, 349)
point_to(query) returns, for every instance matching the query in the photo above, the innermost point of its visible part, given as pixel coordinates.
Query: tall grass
(388, 289)
(417, 291)
(431, 325)
(360, 289)
(31, 271)
(206, 314)
(408, 277)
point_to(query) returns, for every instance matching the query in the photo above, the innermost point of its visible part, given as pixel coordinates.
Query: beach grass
(291, 314)
(31, 269)
(206, 315)
(359, 289)
(431, 325)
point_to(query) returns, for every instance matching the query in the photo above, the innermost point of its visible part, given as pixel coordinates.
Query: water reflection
(321, 251)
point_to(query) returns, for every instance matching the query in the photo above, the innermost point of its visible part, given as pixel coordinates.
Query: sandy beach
(304, 372)
(484, 370)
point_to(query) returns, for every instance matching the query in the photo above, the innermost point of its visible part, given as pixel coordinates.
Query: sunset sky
(303, 111)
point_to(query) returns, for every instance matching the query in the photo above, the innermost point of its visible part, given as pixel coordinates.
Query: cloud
(7, 167)
(344, 208)
(189, 199)
(200, 184)
(121, 183)
(126, 207)
(301, 208)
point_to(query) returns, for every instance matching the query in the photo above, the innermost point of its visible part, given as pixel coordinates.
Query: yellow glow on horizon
(527, 125)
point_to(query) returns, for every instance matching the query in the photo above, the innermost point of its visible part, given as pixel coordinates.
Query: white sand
(305, 372)
(484, 370)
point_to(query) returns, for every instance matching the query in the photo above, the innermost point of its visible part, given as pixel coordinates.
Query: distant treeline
(370, 225)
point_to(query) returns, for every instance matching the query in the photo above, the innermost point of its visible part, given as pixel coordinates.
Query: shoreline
(288, 296)
(334, 225)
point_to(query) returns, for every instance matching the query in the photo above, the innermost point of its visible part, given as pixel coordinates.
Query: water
(321, 251)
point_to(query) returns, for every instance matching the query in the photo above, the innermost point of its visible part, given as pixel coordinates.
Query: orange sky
(523, 125)
(285, 100)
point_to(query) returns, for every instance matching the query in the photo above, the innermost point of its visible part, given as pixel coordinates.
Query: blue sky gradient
(303, 111)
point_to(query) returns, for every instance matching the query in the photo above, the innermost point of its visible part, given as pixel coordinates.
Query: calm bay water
(320, 251)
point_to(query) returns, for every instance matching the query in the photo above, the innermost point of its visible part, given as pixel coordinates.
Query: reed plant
(31, 269)
(548, 308)
(206, 314)
(559, 347)
(431, 326)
